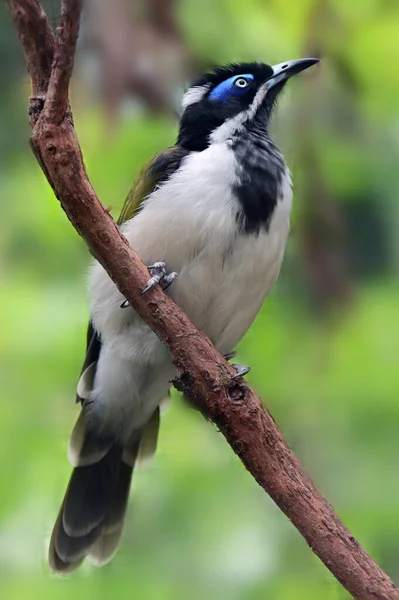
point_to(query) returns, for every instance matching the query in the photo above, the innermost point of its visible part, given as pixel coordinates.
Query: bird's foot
(240, 370)
(158, 275)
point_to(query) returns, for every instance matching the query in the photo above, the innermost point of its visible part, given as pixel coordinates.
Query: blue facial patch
(228, 89)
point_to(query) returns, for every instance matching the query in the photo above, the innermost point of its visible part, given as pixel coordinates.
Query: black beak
(285, 70)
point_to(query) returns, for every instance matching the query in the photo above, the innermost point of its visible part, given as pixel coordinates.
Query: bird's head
(225, 100)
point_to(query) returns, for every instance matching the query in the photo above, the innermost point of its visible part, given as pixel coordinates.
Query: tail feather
(106, 545)
(91, 518)
(103, 550)
(116, 513)
(71, 549)
(86, 448)
(56, 564)
(90, 493)
(149, 440)
(84, 511)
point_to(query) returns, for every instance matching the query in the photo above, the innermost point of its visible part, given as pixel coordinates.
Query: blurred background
(324, 350)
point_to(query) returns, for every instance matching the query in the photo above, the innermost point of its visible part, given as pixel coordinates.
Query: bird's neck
(260, 168)
(260, 174)
(194, 133)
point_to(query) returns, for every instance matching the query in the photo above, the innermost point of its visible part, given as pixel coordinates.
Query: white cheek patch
(194, 94)
(257, 101)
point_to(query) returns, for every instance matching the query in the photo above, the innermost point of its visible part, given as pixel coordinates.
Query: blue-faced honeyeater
(210, 217)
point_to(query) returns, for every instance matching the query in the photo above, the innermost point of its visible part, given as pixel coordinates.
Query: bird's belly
(222, 294)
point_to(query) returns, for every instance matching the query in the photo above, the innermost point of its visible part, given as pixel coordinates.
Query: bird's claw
(158, 275)
(240, 370)
(168, 279)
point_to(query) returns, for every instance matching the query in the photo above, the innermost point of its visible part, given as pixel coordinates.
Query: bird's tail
(91, 517)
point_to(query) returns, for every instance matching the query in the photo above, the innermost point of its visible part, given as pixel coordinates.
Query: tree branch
(37, 39)
(57, 100)
(203, 375)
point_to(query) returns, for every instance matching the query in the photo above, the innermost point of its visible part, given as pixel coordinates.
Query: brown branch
(37, 40)
(57, 100)
(203, 375)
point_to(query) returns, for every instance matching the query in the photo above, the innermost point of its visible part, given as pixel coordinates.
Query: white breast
(190, 223)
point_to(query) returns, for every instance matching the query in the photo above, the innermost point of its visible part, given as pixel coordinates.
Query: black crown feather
(260, 71)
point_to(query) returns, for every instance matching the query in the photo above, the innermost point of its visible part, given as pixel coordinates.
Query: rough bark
(202, 374)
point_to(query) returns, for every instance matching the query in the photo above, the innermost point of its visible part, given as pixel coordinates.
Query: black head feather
(202, 115)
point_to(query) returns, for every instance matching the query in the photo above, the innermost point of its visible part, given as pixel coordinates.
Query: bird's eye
(231, 88)
(241, 82)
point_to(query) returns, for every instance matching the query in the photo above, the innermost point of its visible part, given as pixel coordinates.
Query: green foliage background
(199, 526)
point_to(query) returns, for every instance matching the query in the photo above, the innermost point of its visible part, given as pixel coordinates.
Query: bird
(210, 216)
